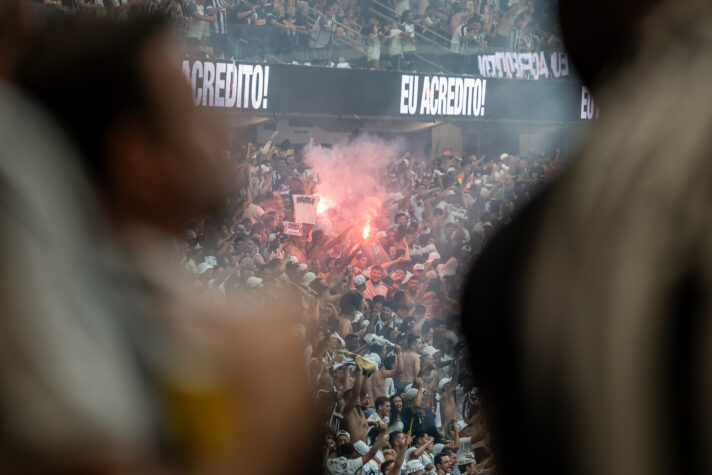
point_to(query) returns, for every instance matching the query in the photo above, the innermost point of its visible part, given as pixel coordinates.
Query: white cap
(359, 280)
(308, 278)
(419, 267)
(211, 260)
(429, 351)
(414, 466)
(503, 156)
(303, 267)
(451, 169)
(450, 193)
(254, 281)
(443, 382)
(410, 393)
(292, 260)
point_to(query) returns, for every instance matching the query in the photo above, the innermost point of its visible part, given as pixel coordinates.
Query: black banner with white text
(294, 89)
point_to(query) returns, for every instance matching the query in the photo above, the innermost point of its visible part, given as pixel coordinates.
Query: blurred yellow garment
(228, 373)
(363, 363)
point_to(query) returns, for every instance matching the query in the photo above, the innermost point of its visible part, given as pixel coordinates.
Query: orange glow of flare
(367, 230)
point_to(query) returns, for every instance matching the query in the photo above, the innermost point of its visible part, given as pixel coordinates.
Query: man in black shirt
(259, 18)
(412, 414)
(301, 25)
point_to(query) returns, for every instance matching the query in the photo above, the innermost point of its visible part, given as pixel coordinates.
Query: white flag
(305, 207)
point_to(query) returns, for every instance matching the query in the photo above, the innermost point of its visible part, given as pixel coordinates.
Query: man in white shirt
(382, 414)
(409, 37)
(422, 450)
(350, 461)
(395, 48)
(372, 467)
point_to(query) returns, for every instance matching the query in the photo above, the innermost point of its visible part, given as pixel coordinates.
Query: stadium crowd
(377, 301)
(378, 34)
(379, 317)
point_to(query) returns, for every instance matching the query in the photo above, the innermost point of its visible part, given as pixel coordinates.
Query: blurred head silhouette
(117, 91)
(588, 314)
(598, 56)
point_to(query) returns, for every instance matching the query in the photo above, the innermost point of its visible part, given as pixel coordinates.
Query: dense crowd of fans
(380, 34)
(378, 311)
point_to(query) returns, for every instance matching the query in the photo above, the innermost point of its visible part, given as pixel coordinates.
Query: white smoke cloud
(351, 175)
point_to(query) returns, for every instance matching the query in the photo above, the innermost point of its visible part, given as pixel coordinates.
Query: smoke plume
(351, 175)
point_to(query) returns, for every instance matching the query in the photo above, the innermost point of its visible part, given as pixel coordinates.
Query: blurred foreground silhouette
(588, 316)
(108, 360)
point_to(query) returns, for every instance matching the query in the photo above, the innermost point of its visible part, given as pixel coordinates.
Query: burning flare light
(367, 230)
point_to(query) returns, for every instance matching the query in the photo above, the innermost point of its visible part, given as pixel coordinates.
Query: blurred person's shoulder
(46, 212)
